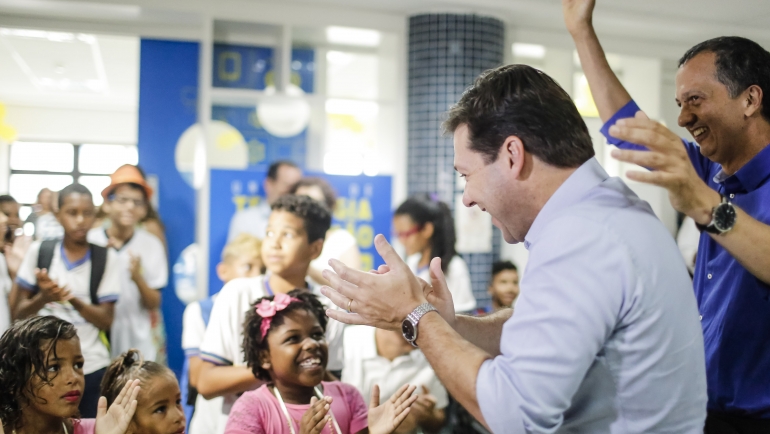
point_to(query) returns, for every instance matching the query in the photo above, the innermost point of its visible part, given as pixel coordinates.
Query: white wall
(76, 125)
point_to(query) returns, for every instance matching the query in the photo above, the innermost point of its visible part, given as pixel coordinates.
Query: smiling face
(127, 206)
(491, 186)
(298, 352)
(505, 287)
(159, 407)
(715, 120)
(76, 216)
(285, 249)
(413, 237)
(60, 395)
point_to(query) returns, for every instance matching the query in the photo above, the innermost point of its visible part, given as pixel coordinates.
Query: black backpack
(98, 263)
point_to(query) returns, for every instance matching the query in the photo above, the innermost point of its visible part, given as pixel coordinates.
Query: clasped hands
(384, 297)
(50, 289)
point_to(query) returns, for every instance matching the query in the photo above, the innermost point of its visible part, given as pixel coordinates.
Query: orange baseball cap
(127, 174)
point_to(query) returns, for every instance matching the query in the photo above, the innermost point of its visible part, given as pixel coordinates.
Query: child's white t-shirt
(5, 290)
(458, 279)
(224, 335)
(208, 412)
(132, 326)
(76, 277)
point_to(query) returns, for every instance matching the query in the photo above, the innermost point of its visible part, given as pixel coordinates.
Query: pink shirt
(83, 426)
(258, 411)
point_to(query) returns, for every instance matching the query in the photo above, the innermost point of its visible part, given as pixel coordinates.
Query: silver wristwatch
(409, 325)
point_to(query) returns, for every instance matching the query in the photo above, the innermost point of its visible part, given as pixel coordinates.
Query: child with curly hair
(284, 345)
(159, 408)
(42, 381)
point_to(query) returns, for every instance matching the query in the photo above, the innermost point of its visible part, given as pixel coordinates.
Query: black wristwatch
(723, 218)
(409, 325)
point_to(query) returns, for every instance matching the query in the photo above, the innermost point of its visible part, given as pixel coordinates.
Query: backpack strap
(98, 264)
(45, 254)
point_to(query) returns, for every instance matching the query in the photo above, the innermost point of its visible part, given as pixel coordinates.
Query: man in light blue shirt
(605, 336)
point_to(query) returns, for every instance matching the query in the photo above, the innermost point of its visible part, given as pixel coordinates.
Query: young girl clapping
(159, 409)
(284, 345)
(42, 381)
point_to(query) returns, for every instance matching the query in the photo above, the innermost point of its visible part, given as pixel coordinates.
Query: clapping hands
(385, 418)
(116, 419)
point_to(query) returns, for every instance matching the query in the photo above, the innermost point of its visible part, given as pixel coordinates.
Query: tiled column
(446, 53)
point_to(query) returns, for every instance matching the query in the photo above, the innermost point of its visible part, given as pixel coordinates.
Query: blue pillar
(168, 87)
(446, 54)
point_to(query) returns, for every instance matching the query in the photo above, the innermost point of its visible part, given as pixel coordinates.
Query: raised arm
(609, 94)
(216, 380)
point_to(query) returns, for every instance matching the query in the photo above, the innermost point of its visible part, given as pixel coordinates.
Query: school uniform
(133, 326)
(76, 277)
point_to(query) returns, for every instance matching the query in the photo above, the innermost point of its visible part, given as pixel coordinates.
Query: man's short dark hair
(740, 63)
(518, 100)
(7, 198)
(72, 189)
(501, 266)
(317, 217)
(272, 171)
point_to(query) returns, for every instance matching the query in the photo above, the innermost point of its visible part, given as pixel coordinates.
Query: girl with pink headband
(285, 346)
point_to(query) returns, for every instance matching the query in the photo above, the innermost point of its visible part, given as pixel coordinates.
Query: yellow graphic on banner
(7, 132)
(235, 73)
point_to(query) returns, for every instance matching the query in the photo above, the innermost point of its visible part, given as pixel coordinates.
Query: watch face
(407, 328)
(724, 217)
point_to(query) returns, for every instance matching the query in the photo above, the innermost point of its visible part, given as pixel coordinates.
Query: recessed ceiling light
(531, 51)
(352, 36)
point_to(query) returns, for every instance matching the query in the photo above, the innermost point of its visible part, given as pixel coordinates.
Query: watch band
(415, 316)
(711, 227)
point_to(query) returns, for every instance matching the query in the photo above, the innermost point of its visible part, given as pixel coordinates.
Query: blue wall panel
(168, 83)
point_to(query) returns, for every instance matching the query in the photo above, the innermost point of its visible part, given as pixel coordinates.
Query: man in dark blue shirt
(723, 183)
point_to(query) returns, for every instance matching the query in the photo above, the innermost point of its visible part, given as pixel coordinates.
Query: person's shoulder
(236, 287)
(457, 264)
(97, 236)
(147, 239)
(341, 236)
(192, 310)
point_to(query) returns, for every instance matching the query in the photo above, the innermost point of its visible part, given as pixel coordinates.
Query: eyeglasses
(410, 232)
(122, 200)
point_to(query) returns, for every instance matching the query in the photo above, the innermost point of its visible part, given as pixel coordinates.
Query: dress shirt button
(709, 276)
(732, 196)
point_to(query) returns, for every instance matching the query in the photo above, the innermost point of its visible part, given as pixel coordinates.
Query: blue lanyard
(268, 290)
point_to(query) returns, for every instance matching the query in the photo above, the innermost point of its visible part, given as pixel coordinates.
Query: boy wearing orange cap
(142, 262)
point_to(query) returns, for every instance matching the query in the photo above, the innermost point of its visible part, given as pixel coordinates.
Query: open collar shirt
(734, 305)
(605, 337)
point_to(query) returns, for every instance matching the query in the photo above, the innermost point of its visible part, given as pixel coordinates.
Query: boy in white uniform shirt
(385, 358)
(241, 257)
(143, 264)
(63, 290)
(295, 236)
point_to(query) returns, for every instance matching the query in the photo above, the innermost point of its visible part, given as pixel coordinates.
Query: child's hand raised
(116, 419)
(315, 417)
(385, 418)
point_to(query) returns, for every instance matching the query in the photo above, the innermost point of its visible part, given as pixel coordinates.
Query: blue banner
(263, 147)
(363, 209)
(249, 67)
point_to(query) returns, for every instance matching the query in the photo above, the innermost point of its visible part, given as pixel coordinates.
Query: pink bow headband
(267, 310)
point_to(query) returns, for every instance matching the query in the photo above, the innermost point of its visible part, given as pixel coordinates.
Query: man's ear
(315, 248)
(752, 101)
(513, 154)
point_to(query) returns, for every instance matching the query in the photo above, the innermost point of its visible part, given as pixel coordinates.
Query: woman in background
(426, 229)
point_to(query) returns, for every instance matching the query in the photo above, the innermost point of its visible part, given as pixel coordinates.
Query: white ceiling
(103, 70)
(62, 69)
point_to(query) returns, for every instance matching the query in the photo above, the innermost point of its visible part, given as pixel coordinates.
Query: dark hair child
(284, 344)
(159, 405)
(41, 376)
